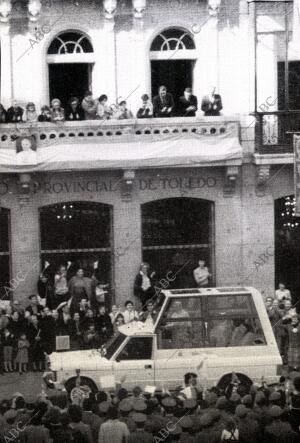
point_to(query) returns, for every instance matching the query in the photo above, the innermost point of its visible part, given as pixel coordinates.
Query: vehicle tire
(226, 380)
(87, 386)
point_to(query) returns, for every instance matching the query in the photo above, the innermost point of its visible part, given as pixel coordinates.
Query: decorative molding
(263, 175)
(127, 185)
(5, 11)
(110, 9)
(34, 10)
(213, 7)
(232, 173)
(139, 7)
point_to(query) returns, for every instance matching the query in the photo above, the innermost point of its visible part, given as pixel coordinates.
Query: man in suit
(212, 103)
(163, 103)
(188, 104)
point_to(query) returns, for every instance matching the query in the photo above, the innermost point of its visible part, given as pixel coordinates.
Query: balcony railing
(117, 130)
(274, 131)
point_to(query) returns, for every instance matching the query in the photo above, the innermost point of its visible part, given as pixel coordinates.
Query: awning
(175, 151)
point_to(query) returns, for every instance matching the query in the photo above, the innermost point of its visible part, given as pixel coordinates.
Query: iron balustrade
(274, 131)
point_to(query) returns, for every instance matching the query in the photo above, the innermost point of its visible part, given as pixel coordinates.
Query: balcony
(118, 131)
(274, 133)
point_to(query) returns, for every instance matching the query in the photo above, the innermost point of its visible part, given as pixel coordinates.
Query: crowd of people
(90, 108)
(190, 414)
(72, 304)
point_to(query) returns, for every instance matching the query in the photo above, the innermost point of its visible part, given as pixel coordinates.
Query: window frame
(205, 318)
(120, 350)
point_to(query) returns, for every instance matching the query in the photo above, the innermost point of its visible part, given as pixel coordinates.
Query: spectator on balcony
(163, 103)
(188, 104)
(212, 103)
(89, 106)
(104, 111)
(14, 113)
(2, 114)
(74, 111)
(31, 114)
(57, 112)
(45, 115)
(123, 113)
(146, 108)
(61, 291)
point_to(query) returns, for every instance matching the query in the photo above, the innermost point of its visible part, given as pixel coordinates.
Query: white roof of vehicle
(136, 328)
(230, 290)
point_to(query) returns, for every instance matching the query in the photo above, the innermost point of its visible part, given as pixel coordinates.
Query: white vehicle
(211, 332)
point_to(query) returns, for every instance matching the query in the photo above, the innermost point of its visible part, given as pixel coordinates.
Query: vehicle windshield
(158, 303)
(113, 344)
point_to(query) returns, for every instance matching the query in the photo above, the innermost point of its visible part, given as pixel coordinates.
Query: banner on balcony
(176, 151)
(297, 173)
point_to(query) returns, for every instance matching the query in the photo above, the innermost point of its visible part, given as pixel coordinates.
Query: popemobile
(212, 332)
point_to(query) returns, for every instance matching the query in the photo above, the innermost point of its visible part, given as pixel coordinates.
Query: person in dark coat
(36, 350)
(74, 111)
(144, 285)
(45, 115)
(76, 332)
(2, 114)
(163, 103)
(48, 331)
(16, 324)
(188, 104)
(103, 325)
(146, 108)
(212, 104)
(45, 290)
(14, 114)
(34, 308)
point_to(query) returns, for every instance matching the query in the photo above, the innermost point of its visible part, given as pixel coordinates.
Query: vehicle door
(135, 361)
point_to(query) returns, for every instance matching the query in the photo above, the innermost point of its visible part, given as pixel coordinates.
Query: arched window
(80, 233)
(70, 59)
(176, 234)
(173, 39)
(70, 43)
(172, 56)
(5, 286)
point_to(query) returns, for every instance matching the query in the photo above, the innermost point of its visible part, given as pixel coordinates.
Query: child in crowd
(89, 106)
(146, 108)
(115, 311)
(130, 314)
(57, 112)
(45, 115)
(31, 114)
(21, 360)
(104, 112)
(8, 346)
(118, 322)
(123, 112)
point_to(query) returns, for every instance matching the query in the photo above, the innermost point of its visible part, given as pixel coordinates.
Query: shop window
(80, 233)
(5, 286)
(138, 348)
(176, 233)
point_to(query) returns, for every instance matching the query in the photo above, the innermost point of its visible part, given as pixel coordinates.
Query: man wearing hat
(278, 431)
(249, 430)
(125, 407)
(208, 433)
(187, 435)
(140, 435)
(188, 104)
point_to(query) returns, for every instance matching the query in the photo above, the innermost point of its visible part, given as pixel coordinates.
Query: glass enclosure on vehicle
(210, 321)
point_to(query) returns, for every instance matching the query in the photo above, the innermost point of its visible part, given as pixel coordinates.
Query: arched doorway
(176, 233)
(6, 287)
(172, 57)
(80, 233)
(70, 59)
(287, 245)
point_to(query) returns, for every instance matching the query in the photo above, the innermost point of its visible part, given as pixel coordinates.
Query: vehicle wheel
(86, 387)
(225, 381)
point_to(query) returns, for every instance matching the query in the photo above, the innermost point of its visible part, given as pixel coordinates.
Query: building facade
(167, 191)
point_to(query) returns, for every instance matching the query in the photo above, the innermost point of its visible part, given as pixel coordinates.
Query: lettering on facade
(176, 183)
